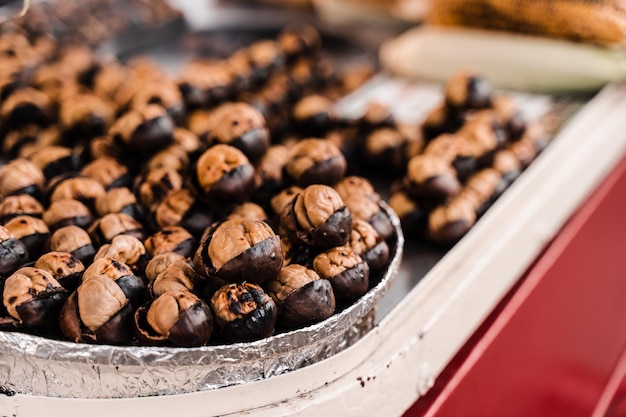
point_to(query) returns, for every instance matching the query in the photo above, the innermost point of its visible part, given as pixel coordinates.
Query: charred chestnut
(432, 177)
(84, 115)
(25, 105)
(63, 213)
(171, 239)
(108, 172)
(369, 245)
(450, 222)
(97, 312)
(64, 267)
(76, 187)
(156, 184)
(13, 253)
(318, 217)
(147, 129)
(33, 297)
(54, 160)
(244, 312)
(466, 91)
(120, 200)
(173, 157)
(412, 215)
(223, 173)
(20, 176)
(107, 227)
(131, 285)
(316, 161)
(347, 272)
(244, 251)
(16, 205)
(243, 127)
(74, 240)
(364, 208)
(177, 275)
(177, 317)
(31, 231)
(301, 296)
(269, 172)
(126, 249)
(284, 197)
(181, 208)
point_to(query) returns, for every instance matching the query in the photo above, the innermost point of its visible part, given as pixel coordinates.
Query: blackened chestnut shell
(351, 283)
(13, 254)
(309, 304)
(334, 232)
(42, 312)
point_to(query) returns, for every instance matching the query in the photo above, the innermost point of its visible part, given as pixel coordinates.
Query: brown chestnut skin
(108, 226)
(432, 177)
(365, 209)
(223, 173)
(97, 312)
(34, 297)
(67, 212)
(317, 217)
(450, 222)
(316, 161)
(182, 208)
(346, 271)
(22, 204)
(31, 231)
(64, 267)
(243, 127)
(244, 312)
(54, 160)
(131, 285)
(73, 186)
(74, 240)
(175, 317)
(126, 249)
(171, 239)
(13, 253)
(369, 245)
(302, 297)
(242, 251)
(146, 130)
(20, 176)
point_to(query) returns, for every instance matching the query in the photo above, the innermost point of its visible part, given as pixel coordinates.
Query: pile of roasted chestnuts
(139, 208)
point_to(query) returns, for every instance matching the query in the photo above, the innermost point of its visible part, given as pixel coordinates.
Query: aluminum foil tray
(39, 366)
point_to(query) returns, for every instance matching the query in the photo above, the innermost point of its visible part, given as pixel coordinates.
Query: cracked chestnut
(74, 240)
(122, 275)
(347, 272)
(369, 245)
(175, 317)
(316, 161)
(245, 250)
(317, 217)
(302, 297)
(97, 312)
(21, 204)
(20, 176)
(13, 253)
(171, 239)
(64, 267)
(147, 129)
(31, 231)
(244, 312)
(126, 249)
(67, 212)
(33, 297)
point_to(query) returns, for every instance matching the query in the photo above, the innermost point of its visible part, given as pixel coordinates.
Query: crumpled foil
(39, 366)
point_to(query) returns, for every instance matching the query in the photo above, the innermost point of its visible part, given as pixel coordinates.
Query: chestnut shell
(42, 312)
(351, 283)
(309, 304)
(13, 254)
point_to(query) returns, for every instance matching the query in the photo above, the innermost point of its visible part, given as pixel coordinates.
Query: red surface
(557, 345)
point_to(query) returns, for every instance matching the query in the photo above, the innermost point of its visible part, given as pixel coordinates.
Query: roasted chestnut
(248, 211)
(314, 114)
(84, 116)
(31, 231)
(13, 253)
(347, 272)
(74, 186)
(178, 275)
(119, 272)
(301, 40)
(364, 208)
(243, 127)
(16, 205)
(181, 208)
(63, 213)
(33, 297)
(244, 312)
(20, 176)
(147, 129)
(97, 312)
(432, 177)
(450, 222)
(171, 239)
(126, 249)
(301, 296)
(156, 184)
(355, 185)
(224, 174)
(366, 242)
(165, 93)
(173, 157)
(316, 161)
(108, 172)
(177, 317)
(108, 226)
(317, 217)
(247, 250)
(64, 267)
(205, 84)
(74, 240)
(269, 173)
(412, 215)
(25, 105)
(284, 197)
(120, 200)
(160, 262)
(54, 160)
